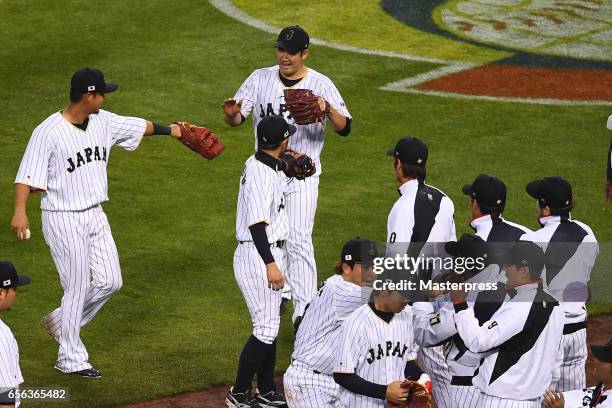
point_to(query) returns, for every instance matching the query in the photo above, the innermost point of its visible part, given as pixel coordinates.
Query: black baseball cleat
(271, 399)
(240, 400)
(86, 373)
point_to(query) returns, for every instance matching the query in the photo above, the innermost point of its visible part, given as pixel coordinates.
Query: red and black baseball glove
(304, 106)
(200, 139)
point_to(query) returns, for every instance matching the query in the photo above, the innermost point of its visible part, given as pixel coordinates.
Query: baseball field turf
(179, 322)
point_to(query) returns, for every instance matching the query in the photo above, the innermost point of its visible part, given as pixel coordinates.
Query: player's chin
(287, 70)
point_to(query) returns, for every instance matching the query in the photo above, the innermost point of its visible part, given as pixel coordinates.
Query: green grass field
(179, 322)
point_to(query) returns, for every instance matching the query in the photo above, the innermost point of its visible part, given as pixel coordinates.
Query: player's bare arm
(20, 223)
(337, 119)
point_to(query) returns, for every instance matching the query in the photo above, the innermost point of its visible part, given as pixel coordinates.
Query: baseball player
(422, 214)
(608, 187)
(308, 381)
(487, 203)
(66, 158)
(434, 321)
(596, 396)
(522, 342)
(377, 350)
(571, 250)
(10, 373)
(259, 262)
(262, 94)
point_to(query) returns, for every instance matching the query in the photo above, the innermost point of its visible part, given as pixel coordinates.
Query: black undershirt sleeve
(260, 239)
(346, 129)
(161, 130)
(358, 385)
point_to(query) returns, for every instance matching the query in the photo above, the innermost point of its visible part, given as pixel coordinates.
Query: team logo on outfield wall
(561, 49)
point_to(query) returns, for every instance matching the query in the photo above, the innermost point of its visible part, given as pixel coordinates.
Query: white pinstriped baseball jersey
(375, 350)
(261, 199)
(10, 373)
(69, 164)
(318, 337)
(262, 94)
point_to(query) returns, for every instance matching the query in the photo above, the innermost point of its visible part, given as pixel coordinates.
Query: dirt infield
(527, 82)
(599, 331)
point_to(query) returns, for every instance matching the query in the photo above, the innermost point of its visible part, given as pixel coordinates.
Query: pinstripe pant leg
(573, 375)
(301, 199)
(67, 235)
(105, 269)
(305, 389)
(263, 303)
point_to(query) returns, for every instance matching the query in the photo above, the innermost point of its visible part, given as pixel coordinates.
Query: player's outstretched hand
(553, 399)
(397, 394)
(231, 107)
(608, 191)
(20, 225)
(275, 277)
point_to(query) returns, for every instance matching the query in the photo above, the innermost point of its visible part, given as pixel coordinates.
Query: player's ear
(305, 54)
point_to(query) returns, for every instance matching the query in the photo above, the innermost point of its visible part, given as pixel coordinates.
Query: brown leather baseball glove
(418, 397)
(200, 139)
(298, 165)
(304, 106)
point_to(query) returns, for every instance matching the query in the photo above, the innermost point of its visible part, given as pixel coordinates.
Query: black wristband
(346, 129)
(460, 306)
(161, 130)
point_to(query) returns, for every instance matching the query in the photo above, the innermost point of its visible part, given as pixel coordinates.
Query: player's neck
(75, 113)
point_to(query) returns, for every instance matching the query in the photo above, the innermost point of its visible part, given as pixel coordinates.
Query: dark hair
(338, 268)
(562, 212)
(494, 213)
(412, 171)
(535, 276)
(75, 96)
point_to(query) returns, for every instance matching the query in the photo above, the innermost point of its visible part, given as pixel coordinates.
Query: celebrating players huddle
(357, 344)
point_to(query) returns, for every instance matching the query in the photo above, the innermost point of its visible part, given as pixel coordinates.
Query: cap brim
(391, 152)
(292, 129)
(22, 280)
(601, 353)
(452, 248)
(467, 189)
(281, 44)
(533, 188)
(110, 87)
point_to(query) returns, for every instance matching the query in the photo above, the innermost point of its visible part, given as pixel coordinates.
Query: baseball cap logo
(289, 35)
(6, 282)
(91, 88)
(286, 134)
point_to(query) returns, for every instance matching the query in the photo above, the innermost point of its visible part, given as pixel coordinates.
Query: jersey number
(392, 237)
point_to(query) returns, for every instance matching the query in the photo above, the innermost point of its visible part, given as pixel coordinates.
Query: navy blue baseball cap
(358, 250)
(488, 191)
(526, 253)
(294, 39)
(272, 130)
(90, 80)
(554, 192)
(410, 150)
(9, 277)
